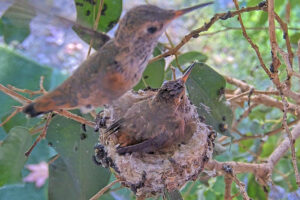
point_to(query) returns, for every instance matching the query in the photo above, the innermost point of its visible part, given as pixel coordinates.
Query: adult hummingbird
(154, 124)
(116, 67)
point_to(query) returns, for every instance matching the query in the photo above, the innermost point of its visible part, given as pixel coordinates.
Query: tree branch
(205, 27)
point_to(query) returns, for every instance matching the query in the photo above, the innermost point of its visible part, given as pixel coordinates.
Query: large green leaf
(12, 157)
(262, 19)
(153, 74)
(87, 13)
(1, 27)
(188, 58)
(184, 59)
(20, 72)
(206, 90)
(14, 28)
(74, 175)
(19, 120)
(254, 190)
(26, 191)
(295, 37)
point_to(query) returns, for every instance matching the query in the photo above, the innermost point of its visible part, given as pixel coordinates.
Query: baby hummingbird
(157, 123)
(116, 67)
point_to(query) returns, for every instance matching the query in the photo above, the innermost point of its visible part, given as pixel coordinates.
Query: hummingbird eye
(151, 29)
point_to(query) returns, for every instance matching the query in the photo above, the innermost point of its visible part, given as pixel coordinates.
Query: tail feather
(31, 111)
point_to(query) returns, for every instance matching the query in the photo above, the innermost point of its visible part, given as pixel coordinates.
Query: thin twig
(229, 174)
(254, 46)
(261, 99)
(276, 64)
(262, 171)
(30, 92)
(176, 57)
(292, 142)
(53, 159)
(75, 117)
(285, 29)
(14, 95)
(242, 187)
(239, 28)
(41, 136)
(37, 130)
(243, 116)
(16, 111)
(103, 190)
(64, 113)
(254, 92)
(96, 25)
(270, 133)
(205, 27)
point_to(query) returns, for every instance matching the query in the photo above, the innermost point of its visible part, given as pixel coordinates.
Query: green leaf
(19, 72)
(189, 57)
(209, 194)
(1, 27)
(173, 195)
(219, 185)
(87, 13)
(262, 19)
(278, 4)
(253, 2)
(297, 146)
(26, 191)
(284, 166)
(12, 157)
(183, 59)
(13, 28)
(254, 190)
(190, 190)
(206, 90)
(99, 39)
(153, 74)
(19, 120)
(295, 38)
(245, 145)
(74, 175)
(267, 149)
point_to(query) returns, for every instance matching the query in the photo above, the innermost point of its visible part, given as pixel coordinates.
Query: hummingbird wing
(21, 12)
(95, 82)
(147, 146)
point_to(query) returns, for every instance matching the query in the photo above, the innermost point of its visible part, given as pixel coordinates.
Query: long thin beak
(181, 12)
(187, 73)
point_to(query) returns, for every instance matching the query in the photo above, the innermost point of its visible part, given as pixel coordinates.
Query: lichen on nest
(149, 174)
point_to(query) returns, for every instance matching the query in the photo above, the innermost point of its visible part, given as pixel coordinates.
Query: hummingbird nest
(151, 174)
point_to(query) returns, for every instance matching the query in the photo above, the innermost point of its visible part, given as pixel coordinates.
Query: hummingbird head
(172, 93)
(146, 23)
